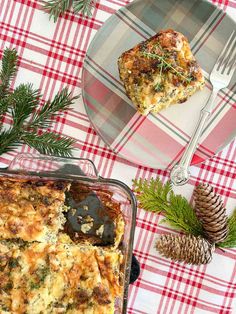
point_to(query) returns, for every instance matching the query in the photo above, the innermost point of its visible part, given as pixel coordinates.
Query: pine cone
(186, 248)
(211, 212)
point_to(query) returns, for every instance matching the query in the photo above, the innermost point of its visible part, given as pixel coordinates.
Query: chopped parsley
(41, 274)
(13, 263)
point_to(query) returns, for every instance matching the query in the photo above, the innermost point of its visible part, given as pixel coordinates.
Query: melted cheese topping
(31, 210)
(59, 278)
(153, 85)
(53, 275)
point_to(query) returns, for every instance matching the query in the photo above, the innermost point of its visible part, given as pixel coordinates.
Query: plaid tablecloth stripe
(51, 56)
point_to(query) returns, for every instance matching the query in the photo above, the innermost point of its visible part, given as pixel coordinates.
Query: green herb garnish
(13, 263)
(159, 87)
(8, 286)
(164, 64)
(34, 285)
(28, 116)
(41, 274)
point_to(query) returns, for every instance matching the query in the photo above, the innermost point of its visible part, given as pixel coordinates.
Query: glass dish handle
(71, 167)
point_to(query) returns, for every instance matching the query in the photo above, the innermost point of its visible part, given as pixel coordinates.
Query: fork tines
(227, 58)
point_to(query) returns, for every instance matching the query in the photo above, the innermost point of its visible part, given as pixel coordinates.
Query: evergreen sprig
(23, 104)
(8, 71)
(58, 7)
(230, 240)
(84, 6)
(157, 197)
(43, 117)
(49, 143)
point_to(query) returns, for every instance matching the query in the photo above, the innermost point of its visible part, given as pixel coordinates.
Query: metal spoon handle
(180, 173)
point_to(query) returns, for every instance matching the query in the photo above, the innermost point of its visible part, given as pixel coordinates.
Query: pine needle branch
(49, 143)
(43, 117)
(84, 6)
(9, 139)
(27, 117)
(56, 8)
(230, 241)
(4, 105)
(23, 100)
(8, 71)
(157, 197)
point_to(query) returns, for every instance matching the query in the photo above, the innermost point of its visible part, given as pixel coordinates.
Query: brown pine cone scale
(211, 212)
(185, 248)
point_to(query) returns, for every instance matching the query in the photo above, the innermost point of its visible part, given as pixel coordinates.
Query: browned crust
(93, 276)
(136, 69)
(88, 277)
(27, 207)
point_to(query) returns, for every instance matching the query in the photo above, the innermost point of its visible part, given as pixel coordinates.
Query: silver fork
(220, 78)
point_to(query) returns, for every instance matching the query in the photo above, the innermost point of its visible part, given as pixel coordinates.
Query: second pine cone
(211, 212)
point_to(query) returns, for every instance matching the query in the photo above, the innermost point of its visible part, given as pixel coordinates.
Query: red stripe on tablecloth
(172, 295)
(140, 248)
(42, 40)
(106, 8)
(30, 3)
(224, 161)
(51, 72)
(232, 4)
(136, 311)
(230, 294)
(218, 171)
(79, 45)
(197, 272)
(190, 283)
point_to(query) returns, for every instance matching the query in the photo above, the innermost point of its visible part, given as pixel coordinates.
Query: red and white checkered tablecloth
(51, 57)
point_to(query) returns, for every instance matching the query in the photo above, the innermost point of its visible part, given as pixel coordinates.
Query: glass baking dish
(84, 171)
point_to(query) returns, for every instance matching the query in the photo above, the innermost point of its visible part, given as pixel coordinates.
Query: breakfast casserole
(43, 269)
(160, 71)
(43, 278)
(31, 210)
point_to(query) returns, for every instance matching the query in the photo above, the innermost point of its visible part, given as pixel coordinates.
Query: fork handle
(180, 173)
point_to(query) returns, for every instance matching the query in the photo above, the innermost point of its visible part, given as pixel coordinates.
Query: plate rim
(120, 154)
